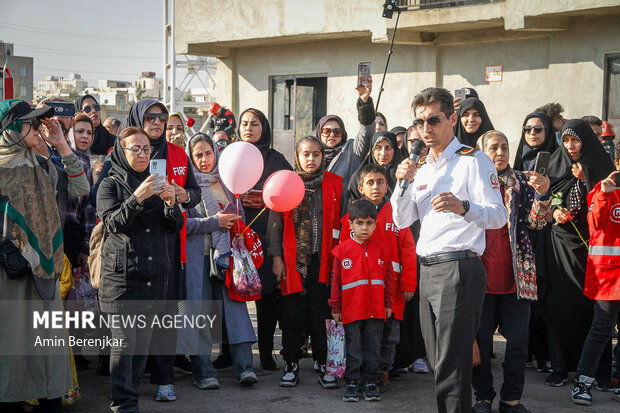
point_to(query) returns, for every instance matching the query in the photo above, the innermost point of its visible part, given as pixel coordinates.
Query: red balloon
(283, 191)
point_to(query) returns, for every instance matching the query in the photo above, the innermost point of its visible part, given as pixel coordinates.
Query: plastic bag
(245, 275)
(85, 294)
(336, 359)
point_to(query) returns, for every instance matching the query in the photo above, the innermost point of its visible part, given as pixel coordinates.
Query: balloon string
(255, 218)
(238, 224)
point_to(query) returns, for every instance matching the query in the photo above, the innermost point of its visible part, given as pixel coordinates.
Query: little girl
(300, 242)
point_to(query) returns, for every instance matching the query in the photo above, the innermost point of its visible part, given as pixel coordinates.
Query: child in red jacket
(602, 284)
(362, 297)
(373, 186)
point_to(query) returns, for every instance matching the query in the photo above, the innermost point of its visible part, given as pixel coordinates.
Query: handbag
(12, 260)
(215, 271)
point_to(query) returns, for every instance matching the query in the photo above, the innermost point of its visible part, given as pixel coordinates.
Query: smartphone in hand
(363, 73)
(230, 209)
(158, 166)
(542, 162)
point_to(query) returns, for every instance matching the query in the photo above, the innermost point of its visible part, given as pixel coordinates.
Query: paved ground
(410, 393)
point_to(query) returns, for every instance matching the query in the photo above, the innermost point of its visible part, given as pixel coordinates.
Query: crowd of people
(421, 276)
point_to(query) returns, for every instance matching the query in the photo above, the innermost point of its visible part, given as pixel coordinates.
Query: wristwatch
(466, 207)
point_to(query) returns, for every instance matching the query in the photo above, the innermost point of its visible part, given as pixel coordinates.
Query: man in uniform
(454, 192)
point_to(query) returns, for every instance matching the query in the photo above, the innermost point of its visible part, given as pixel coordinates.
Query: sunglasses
(537, 128)
(36, 123)
(151, 117)
(88, 109)
(328, 131)
(136, 149)
(432, 121)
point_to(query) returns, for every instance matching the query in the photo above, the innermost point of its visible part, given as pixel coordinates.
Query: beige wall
(564, 66)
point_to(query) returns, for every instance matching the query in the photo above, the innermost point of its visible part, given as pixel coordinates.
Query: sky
(104, 39)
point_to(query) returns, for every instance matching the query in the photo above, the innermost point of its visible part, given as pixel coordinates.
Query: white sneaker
(248, 378)
(419, 366)
(207, 384)
(166, 393)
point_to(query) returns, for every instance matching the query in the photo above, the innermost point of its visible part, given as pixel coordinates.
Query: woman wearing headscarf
(255, 129)
(207, 224)
(473, 121)
(574, 169)
(139, 212)
(342, 155)
(384, 152)
(400, 133)
(537, 136)
(103, 140)
(31, 228)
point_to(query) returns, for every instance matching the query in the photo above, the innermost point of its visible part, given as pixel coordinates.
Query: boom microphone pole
(388, 10)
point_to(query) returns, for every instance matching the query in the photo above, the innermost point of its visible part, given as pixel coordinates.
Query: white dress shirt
(470, 177)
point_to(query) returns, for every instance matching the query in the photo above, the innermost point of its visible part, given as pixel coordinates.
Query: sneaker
(419, 367)
(604, 384)
(350, 393)
(557, 379)
(290, 378)
(581, 391)
(166, 393)
(482, 406)
(531, 364)
(616, 390)
(327, 381)
(248, 378)
(383, 382)
(182, 364)
(371, 392)
(207, 384)
(512, 408)
(544, 366)
(316, 367)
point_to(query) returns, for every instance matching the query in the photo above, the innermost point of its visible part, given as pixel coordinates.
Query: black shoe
(350, 393)
(290, 378)
(371, 392)
(268, 363)
(103, 365)
(482, 406)
(543, 366)
(222, 361)
(581, 394)
(327, 381)
(182, 364)
(557, 379)
(604, 384)
(509, 408)
(80, 361)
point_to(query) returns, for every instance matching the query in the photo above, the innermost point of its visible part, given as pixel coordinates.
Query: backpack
(97, 239)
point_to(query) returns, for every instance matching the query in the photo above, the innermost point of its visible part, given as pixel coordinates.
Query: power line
(75, 35)
(84, 54)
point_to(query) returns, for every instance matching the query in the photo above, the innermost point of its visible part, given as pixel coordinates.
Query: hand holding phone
(542, 162)
(461, 93)
(158, 167)
(230, 209)
(363, 73)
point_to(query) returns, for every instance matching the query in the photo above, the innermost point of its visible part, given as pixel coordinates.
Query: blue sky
(106, 39)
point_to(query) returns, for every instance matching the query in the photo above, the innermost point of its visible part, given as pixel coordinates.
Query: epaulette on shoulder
(422, 160)
(466, 150)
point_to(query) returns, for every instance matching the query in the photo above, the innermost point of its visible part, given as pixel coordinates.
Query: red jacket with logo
(603, 270)
(402, 251)
(331, 188)
(176, 168)
(363, 282)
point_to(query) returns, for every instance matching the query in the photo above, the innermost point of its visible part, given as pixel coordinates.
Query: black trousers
(306, 312)
(451, 297)
(363, 349)
(597, 343)
(268, 313)
(514, 316)
(161, 366)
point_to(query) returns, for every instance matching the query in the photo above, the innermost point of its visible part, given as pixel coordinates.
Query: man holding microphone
(454, 192)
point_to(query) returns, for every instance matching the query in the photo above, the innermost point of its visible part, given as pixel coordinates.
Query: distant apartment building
(60, 87)
(21, 68)
(297, 60)
(149, 86)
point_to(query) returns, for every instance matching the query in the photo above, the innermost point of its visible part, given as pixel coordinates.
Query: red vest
(363, 277)
(331, 188)
(176, 168)
(402, 250)
(603, 270)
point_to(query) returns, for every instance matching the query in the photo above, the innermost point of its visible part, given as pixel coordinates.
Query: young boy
(373, 186)
(362, 289)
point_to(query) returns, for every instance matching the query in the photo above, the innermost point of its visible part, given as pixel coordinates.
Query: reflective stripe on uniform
(604, 250)
(395, 266)
(354, 284)
(377, 282)
(336, 233)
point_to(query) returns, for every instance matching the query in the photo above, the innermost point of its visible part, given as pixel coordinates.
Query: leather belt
(447, 256)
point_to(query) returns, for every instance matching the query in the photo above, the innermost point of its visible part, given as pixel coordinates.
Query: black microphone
(416, 151)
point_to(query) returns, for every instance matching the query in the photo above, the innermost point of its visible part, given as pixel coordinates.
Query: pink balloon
(240, 167)
(283, 191)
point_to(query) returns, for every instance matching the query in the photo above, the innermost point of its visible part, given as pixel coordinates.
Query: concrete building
(21, 68)
(297, 59)
(58, 86)
(150, 86)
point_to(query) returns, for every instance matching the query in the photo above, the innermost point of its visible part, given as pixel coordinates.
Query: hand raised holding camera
(365, 90)
(153, 185)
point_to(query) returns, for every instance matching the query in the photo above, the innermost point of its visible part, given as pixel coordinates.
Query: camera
(389, 7)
